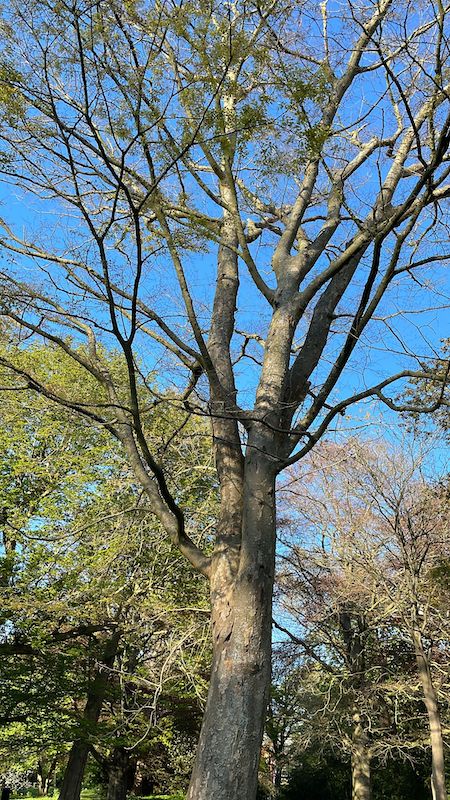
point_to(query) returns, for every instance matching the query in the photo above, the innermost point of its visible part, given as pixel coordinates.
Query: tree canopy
(232, 212)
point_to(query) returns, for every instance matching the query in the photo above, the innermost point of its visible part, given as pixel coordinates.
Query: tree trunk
(42, 785)
(226, 766)
(276, 768)
(361, 758)
(76, 765)
(278, 774)
(120, 774)
(74, 772)
(434, 720)
(45, 772)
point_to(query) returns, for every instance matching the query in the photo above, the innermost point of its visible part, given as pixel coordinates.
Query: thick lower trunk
(74, 772)
(361, 767)
(434, 721)
(120, 774)
(437, 758)
(226, 766)
(76, 765)
(227, 760)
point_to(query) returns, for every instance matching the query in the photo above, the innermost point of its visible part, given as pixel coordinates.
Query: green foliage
(82, 558)
(12, 101)
(401, 779)
(300, 94)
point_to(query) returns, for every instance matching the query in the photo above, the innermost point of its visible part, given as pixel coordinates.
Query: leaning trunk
(361, 758)
(120, 774)
(74, 773)
(434, 720)
(226, 766)
(76, 765)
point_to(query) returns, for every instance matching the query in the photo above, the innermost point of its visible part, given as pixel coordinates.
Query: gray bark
(74, 772)
(434, 720)
(361, 758)
(226, 766)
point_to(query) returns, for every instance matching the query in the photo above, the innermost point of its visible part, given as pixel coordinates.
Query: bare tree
(293, 160)
(332, 620)
(416, 543)
(381, 541)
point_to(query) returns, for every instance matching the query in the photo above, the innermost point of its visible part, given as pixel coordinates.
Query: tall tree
(238, 191)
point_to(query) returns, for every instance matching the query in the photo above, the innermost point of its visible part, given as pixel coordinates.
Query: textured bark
(76, 765)
(361, 758)
(226, 766)
(74, 772)
(354, 629)
(227, 442)
(434, 721)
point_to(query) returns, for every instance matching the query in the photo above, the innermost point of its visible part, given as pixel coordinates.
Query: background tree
(89, 585)
(344, 659)
(376, 539)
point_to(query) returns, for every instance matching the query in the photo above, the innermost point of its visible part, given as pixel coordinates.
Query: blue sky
(390, 343)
